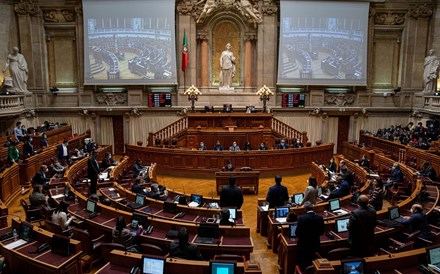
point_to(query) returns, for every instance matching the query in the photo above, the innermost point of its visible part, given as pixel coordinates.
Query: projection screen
(323, 43)
(129, 42)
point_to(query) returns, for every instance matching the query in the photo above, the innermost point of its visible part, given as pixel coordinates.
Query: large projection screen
(323, 43)
(129, 42)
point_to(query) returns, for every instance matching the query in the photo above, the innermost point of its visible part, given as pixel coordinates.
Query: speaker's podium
(247, 180)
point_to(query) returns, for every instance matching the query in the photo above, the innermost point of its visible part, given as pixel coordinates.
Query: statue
(430, 74)
(209, 7)
(227, 67)
(18, 70)
(248, 10)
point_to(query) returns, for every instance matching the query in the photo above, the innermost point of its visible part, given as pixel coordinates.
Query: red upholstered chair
(32, 215)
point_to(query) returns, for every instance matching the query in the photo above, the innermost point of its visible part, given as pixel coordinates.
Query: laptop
(91, 208)
(335, 207)
(433, 259)
(342, 225)
(321, 193)
(298, 198)
(196, 200)
(292, 230)
(138, 202)
(25, 235)
(206, 233)
(169, 207)
(153, 264)
(232, 213)
(281, 214)
(60, 245)
(222, 267)
(353, 266)
(138, 219)
(394, 214)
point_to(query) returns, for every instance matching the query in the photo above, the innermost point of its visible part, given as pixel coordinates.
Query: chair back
(84, 237)
(338, 254)
(106, 249)
(52, 227)
(151, 249)
(230, 257)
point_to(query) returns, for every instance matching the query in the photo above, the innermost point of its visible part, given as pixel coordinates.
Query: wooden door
(118, 135)
(343, 128)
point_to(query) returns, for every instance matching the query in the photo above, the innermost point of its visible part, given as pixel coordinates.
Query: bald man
(418, 221)
(361, 228)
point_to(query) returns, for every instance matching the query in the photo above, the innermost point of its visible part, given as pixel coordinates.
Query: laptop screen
(334, 204)
(139, 199)
(153, 265)
(208, 231)
(141, 219)
(292, 230)
(434, 256)
(26, 231)
(281, 212)
(217, 267)
(393, 212)
(170, 207)
(196, 198)
(341, 225)
(355, 266)
(298, 198)
(91, 206)
(232, 212)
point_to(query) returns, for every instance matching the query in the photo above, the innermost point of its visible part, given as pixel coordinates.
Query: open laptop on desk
(394, 214)
(138, 219)
(321, 193)
(138, 202)
(298, 198)
(335, 207)
(433, 259)
(281, 214)
(206, 233)
(60, 245)
(91, 208)
(196, 200)
(342, 225)
(292, 230)
(153, 264)
(169, 207)
(25, 236)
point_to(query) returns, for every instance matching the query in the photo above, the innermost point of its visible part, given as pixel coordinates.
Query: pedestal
(226, 89)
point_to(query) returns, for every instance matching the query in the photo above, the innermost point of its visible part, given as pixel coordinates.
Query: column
(249, 37)
(204, 59)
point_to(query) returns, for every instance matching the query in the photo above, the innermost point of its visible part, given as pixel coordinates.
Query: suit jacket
(332, 167)
(106, 162)
(396, 175)
(419, 221)
(44, 143)
(277, 195)
(60, 152)
(231, 196)
(92, 168)
(28, 149)
(40, 178)
(310, 195)
(188, 252)
(361, 231)
(310, 227)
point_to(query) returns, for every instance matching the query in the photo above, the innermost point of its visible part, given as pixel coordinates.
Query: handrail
(11, 103)
(288, 131)
(168, 131)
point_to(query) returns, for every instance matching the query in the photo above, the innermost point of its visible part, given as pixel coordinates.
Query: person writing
(59, 216)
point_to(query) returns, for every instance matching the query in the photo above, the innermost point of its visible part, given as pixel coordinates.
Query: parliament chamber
(176, 97)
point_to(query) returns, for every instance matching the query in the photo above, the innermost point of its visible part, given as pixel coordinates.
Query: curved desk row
(209, 161)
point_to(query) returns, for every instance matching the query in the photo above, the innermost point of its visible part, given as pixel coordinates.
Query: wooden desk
(10, 183)
(54, 136)
(245, 180)
(21, 260)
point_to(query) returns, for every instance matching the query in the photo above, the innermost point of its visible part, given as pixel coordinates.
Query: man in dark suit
(93, 171)
(183, 248)
(395, 176)
(310, 228)
(28, 148)
(63, 152)
(361, 228)
(231, 195)
(40, 178)
(277, 194)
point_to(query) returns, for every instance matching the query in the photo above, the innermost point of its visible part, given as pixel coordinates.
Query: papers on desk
(58, 196)
(193, 204)
(264, 207)
(86, 181)
(325, 197)
(340, 212)
(103, 175)
(281, 220)
(111, 189)
(374, 176)
(15, 244)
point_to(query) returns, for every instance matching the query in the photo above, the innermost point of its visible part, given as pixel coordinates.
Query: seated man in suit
(225, 217)
(40, 177)
(395, 176)
(183, 249)
(155, 193)
(37, 198)
(234, 147)
(218, 146)
(428, 171)
(137, 188)
(28, 148)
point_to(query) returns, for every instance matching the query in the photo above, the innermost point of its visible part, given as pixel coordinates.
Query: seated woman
(122, 235)
(59, 216)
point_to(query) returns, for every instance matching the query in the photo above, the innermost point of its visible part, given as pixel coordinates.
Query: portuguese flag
(184, 53)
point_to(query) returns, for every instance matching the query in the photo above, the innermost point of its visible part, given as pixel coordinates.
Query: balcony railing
(11, 104)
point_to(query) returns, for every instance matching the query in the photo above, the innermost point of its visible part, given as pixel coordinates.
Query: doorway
(343, 129)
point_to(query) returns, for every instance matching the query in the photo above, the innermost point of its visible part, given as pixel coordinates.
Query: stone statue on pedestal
(430, 74)
(18, 70)
(227, 67)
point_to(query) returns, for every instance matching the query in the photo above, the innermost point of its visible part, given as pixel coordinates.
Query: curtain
(303, 122)
(332, 132)
(106, 131)
(141, 126)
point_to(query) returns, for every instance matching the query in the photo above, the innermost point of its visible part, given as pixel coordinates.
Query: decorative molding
(111, 99)
(24, 8)
(79, 9)
(59, 16)
(269, 7)
(202, 35)
(340, 100)
(371, 12)
(86, 113)
(30, 113)
(389, 18)
(422, 11)
(134, 112)
(250, 36)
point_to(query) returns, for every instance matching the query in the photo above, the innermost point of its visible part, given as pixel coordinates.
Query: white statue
(18, 70)
(430, 74)
(227, 67)
(210, 6)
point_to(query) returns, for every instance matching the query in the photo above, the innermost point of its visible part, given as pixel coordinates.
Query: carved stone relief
(111, 99)
(24, 8)
(58, 16)
(422, 11)
(389, 18)
(339, 100)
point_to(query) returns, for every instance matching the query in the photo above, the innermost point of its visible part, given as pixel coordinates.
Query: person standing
(361, 228)
(311, 193)
(13, 153)
(231, 195)
(19, 136)
(309, 229)
(227, 67)
(93, 171)
(277, 194)
(63, 152)
(376, 197)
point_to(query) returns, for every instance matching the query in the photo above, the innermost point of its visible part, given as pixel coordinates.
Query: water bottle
(290, 200)
(56, 189)
(76, 199)
(15, 234)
